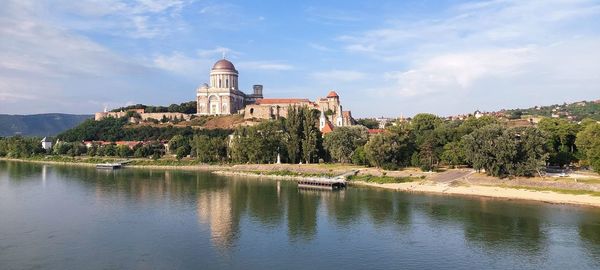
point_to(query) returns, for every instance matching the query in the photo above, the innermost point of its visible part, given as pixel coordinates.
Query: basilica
(222, 96)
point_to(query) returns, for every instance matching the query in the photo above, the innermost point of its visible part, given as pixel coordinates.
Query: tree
(311, 142)
(179, 141)
(473, 123)
(424, 122)
(294, 128)
(20, 147)
(124, 151)
(506, 152)
(453, 154)
(368, 123)
(110, 150)
(561, 135)
(343, 141)
(588, 143)
(257, 144)
(164, 119)
(181, 152)
(359, 157)
(388, 150)
(427, 155)
(207, 149)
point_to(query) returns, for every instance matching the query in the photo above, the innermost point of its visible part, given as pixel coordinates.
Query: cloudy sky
(386, 58)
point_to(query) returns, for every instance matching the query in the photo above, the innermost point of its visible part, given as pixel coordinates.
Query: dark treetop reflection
(58, 217)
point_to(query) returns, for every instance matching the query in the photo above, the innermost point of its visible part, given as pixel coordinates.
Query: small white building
(46, 143)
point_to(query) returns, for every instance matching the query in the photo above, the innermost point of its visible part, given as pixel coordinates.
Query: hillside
(573, 111)
(48, 124)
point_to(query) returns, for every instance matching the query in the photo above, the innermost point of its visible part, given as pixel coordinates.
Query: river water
(59, 217)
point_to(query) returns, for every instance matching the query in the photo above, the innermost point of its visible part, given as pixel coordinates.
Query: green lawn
(384, 179)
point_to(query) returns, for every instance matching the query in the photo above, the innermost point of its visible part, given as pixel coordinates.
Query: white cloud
(179, 63)
(332, 15)
(133, 19)
(265, 65)
(56, 69)
(493, 53)
(339, 76)
(459, 71)
(320, 47)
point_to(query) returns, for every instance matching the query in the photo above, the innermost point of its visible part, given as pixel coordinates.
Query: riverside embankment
(579, 190)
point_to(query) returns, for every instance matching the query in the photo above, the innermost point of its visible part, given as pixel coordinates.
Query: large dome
(224, 64)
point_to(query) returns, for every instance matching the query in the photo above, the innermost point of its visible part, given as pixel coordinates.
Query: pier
(112, 166)
(337, 182)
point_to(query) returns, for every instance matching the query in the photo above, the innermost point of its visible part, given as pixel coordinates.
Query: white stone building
(223, 96)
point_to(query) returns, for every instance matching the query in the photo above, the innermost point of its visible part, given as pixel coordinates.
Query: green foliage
(20, 147)
(425, 122)
(303, 140)
(116, 129)
(359, 157)
(181, 152)
(561, 135)
(453, 154)
(186, 107)
(179, 141)
(384, 179)
(389, 150)
(342, 142)
(370, 123)
(124, 151)
(588, 143)
(293, 125)
(311, 140)
(257, 144)
(207, 149)
(505, 152)
(472, 123)
(578, 110)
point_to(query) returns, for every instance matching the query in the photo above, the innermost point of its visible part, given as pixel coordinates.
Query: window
(251, 110)
(219, 83)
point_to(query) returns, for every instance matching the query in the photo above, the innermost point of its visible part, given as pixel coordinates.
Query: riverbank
(458, 182)
(508, 193)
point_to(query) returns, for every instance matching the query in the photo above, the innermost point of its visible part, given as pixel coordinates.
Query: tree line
(426, 141)
(185, 107)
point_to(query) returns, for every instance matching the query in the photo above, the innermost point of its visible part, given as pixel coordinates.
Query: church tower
(322, 120)
(340, 118)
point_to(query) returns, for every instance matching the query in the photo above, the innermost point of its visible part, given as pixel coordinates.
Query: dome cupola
(224, 64)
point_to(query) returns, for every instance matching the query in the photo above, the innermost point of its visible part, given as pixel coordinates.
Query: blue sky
(384, 58)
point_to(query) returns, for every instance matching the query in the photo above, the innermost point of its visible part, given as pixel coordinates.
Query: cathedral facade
(222, 96)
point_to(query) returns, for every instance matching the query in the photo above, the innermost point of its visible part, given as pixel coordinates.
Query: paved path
(451, 175)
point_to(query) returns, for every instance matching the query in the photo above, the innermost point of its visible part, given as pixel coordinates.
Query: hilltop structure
(223, 97)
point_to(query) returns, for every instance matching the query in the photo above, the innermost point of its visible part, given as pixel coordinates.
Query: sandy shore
(489, 191)
(434, 183)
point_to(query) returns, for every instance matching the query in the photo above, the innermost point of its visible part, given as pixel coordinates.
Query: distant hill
(48, 124)
(573, 111)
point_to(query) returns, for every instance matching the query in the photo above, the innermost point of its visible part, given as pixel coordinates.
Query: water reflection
(222, 204)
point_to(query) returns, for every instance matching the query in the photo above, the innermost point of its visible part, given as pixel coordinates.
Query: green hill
(576, 111)
(48, 124)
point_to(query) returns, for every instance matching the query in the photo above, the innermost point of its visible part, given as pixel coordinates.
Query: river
(61, 217)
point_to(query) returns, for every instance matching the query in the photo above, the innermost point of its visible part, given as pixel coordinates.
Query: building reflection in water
(215, 210)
